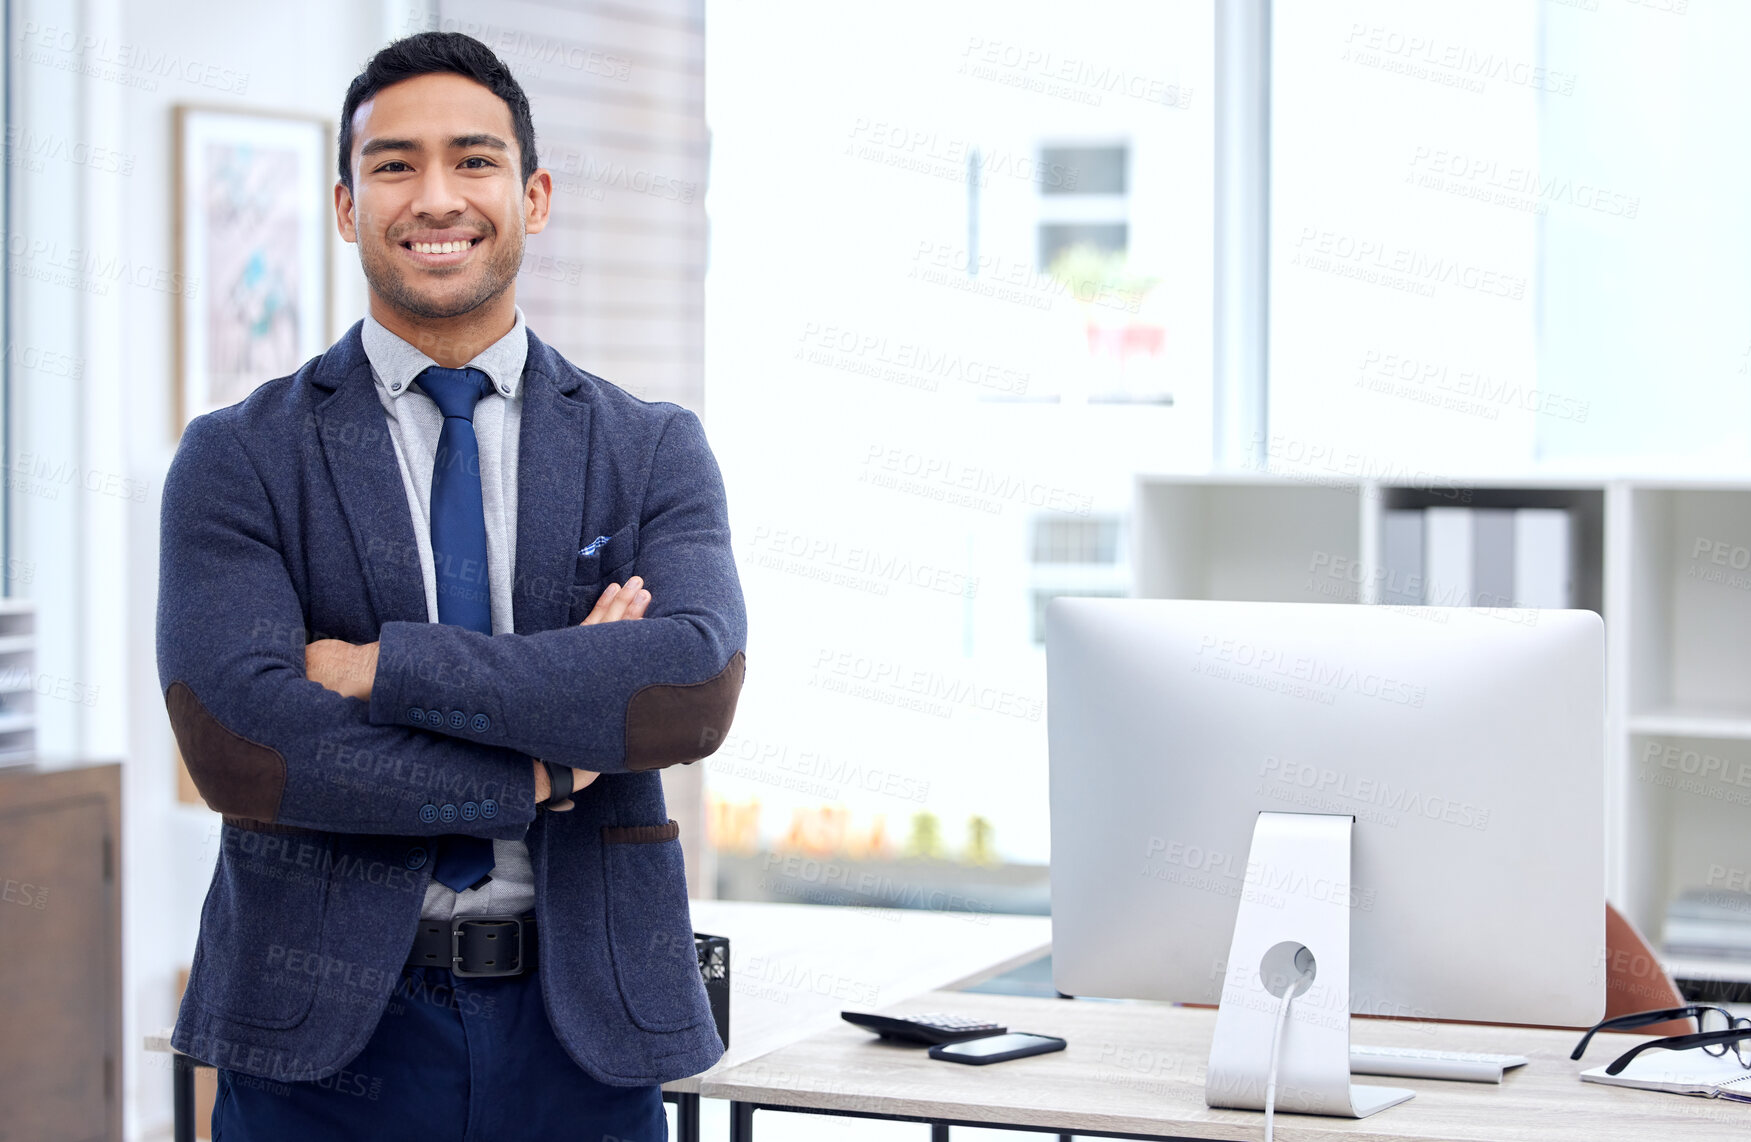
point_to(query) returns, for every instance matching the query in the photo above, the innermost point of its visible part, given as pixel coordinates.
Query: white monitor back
(1467, 743)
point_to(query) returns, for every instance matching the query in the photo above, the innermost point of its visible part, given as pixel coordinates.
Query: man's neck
(450, 341)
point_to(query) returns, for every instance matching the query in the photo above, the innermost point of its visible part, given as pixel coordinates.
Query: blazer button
(481, 723)
(428, 813)
(416, 715)
(447, 814)
(489, 808)
(457, 718)
(470, 810)
(416, 857)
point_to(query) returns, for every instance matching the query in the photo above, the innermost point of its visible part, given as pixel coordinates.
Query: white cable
(1276, 1047)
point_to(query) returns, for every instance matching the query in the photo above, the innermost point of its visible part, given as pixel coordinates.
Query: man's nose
(437, 195)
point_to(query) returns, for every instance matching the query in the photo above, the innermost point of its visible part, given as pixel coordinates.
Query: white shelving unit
(18, 681)
(1667, 563)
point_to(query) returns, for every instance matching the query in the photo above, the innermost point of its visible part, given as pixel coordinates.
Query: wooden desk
(795, 967)
(1137, 1070)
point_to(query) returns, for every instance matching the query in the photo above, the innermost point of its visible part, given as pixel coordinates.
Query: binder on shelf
(1544, 558)
(1492, 557)
(1468, 557)
(1447, 557)
(1401, 557)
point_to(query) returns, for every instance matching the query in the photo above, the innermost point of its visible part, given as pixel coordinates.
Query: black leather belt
(477, 945)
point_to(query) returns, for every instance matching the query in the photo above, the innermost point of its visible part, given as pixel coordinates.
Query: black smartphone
(996, 1048)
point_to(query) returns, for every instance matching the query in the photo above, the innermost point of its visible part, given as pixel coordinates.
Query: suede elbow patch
(236, 777)
(669, 725)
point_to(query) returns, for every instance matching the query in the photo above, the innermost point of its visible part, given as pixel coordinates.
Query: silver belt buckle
(456, 932)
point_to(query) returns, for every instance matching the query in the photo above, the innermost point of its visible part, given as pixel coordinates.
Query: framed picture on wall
(252, 221)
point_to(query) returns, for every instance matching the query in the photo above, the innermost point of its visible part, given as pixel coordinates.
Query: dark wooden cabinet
(60, 952)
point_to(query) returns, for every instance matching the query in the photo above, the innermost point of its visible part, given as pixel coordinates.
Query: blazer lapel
(353, 431)
(552, 452)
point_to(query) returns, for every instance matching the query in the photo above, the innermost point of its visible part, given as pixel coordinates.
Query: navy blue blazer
(284, 521)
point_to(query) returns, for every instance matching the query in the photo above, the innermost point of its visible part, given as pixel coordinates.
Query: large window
(958, 297)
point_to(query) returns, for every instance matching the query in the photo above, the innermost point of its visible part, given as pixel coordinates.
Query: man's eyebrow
(457, 143)
(465, 142)
(377, 146)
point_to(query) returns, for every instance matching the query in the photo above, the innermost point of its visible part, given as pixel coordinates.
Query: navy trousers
(453, 1060)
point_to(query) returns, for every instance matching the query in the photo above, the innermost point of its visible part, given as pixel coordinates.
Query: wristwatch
(559, 781)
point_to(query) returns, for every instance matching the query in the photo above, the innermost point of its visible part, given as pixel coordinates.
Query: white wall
(90, 75)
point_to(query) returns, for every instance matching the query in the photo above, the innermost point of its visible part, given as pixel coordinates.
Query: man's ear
(344, 221)
(537, 201)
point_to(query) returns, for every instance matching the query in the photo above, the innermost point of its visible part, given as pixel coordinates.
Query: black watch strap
(559, 780)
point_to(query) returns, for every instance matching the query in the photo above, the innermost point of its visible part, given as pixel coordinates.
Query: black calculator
(929, 1028)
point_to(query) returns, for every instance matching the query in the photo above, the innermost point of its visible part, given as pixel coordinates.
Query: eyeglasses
(1718, 1030)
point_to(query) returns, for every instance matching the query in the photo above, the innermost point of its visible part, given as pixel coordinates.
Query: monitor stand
(1294, 914)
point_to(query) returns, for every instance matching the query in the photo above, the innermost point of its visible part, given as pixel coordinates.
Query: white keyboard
(1411, 1063)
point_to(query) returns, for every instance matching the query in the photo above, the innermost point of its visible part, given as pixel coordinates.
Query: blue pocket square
(595, 545)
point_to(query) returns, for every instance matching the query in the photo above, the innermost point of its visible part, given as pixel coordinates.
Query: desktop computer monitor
(1467, 744)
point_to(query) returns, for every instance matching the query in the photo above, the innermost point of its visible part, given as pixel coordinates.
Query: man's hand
(341, 666)
(617, 603)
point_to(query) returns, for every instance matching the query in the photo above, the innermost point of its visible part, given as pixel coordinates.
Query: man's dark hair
(423, 54)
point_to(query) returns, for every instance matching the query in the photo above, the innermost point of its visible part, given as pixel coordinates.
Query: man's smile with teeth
(441, 247)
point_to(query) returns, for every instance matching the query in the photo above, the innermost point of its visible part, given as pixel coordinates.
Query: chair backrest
(1634, 977)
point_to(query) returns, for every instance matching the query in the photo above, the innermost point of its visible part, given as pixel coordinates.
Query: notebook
(1681, 1072)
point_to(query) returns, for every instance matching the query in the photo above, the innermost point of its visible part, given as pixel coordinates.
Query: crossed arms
(265, 740)
(350, 669)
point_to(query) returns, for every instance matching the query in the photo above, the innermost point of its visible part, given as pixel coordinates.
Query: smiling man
(433, 613)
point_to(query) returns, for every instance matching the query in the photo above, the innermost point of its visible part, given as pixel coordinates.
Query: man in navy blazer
(346, 736)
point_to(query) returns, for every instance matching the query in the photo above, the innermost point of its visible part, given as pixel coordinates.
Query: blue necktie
(459, 554)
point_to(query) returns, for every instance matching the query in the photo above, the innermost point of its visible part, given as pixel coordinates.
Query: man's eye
(394, 166)
(482, 159)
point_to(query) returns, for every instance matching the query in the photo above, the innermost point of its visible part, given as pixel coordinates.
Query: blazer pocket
(260, 950)
(607, 557)
(650, 930)
(611, 558)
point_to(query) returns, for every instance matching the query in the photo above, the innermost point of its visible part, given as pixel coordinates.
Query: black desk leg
(938, 1132)
(182, 1069)
(687, 1117)
(741, 1122)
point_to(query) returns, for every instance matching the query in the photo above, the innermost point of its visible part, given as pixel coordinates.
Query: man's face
(438, 208)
